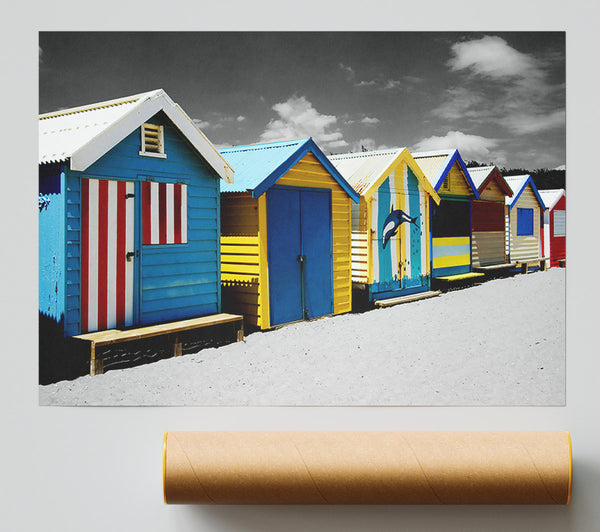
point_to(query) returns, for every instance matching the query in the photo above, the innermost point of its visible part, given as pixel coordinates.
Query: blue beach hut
(128, 217)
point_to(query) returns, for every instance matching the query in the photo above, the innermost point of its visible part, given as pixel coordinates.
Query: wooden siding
(488, 239)
(493, 192)
(458, 183)
(240, 257)
(488, 248)
(360, 240)
(51, 244)
(309, 172)
(524, 247)
(557, 251)
(174, 281)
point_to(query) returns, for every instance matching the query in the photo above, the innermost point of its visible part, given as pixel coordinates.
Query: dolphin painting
(393, 220)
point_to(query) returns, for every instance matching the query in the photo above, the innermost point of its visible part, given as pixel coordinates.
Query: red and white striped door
(107, 254)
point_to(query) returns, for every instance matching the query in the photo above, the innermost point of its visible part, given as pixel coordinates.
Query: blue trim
(451, 270)
(308, 146)
(442, 174)
(529, 180)
(471, 235)
(397, 293)
(137, 247)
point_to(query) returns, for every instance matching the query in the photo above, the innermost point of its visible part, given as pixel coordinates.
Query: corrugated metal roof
(363, 169)
(84, 134)
(480, 173)
(551, 197)
(432, 163)
(255, 162)
(259, 166)
(62, 133)
(515, 182)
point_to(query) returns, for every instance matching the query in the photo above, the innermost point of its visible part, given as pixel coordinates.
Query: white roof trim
(148, 106)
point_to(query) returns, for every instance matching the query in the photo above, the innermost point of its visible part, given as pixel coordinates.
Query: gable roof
(482, 176)
(82, 135)
(552, 197)
(259, 166)
(365, 171)
(437, 164)
(518, 183)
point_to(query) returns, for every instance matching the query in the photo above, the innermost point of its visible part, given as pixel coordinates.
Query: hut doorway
(108, 254)
(299, 234)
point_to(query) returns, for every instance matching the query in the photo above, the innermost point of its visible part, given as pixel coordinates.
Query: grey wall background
(98, 469)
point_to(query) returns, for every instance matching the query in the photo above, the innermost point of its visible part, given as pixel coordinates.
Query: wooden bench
(114, 336)
(524, 265)
(494, 267)
(460, 280)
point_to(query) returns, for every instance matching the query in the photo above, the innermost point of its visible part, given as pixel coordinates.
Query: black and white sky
(496, 96)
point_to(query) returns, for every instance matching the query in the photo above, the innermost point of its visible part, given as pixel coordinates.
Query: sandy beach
(498, 343)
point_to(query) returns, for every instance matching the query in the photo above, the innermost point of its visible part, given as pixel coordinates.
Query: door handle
(131, 254)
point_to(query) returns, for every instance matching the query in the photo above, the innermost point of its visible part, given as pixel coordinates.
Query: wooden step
(460, 277)
(406, 299)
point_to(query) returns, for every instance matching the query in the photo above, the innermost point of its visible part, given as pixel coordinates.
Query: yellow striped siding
(309, 172)
(452, 260)
(458, 183)
(451, 241)
(427, 232)
(240, 257)
(525, 247)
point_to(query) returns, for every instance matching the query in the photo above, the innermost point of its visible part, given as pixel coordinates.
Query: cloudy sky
(497, 97)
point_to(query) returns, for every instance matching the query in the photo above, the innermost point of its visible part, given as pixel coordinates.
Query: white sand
(500, 343)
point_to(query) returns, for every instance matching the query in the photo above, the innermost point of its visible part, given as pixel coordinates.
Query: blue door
(299, 254)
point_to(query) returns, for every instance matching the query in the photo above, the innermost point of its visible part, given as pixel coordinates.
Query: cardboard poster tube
(367, 468)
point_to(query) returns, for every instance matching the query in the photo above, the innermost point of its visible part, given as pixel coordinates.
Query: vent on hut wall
(152, 141)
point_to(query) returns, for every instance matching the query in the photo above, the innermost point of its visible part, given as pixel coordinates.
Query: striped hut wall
(525, 247)
(240, 256)
(309, 172)
(488, 233)
(404, 262)
(360, 239)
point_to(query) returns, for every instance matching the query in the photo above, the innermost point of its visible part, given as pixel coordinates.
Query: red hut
(554, 230)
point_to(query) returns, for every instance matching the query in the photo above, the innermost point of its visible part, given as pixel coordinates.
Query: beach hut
(489, 219)
(554, 232)
(285, 234)
(390, 225)
(524, 221)
(451, 219)
(128, 217)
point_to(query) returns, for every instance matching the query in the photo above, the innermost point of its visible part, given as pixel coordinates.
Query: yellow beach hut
(390, 225)
(285, 234)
